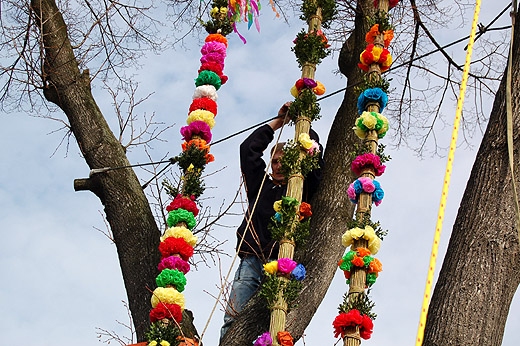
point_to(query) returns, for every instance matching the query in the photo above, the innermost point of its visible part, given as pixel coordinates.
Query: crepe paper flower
(366, 328)
(217, 37)
(174, 262)
(367, 233)
(166, 311)
(214, 56)
(371, 121)
(264, 340)
(294, 91)
(391, 4)
(378, 194)
(305, 140)
(290, 203)
(284, 338)
(171, 277)
(361, 162)
(305, 210)
(218, 13)
(175, 246)
(167, 295)
(199, 114)
(388, 35)
(213, 47)
(162, 343)
(319, 89)
(363, 251)
(372, 95)
(204, 103)
(299, 272)
(180, 232)
(271, 267)
(215, 67)
(286, 265)
(181, 215)
(361, 184)
(208, 77)
(198, 143)
(361, 258)
(196, 128)
(345, 320)
(277, 217)
(307, 83)
(375, 55)
(375, 266)
(277, 206)
(205, 91)
(187, 203)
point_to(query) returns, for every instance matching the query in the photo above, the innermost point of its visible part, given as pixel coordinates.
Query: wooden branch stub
(83, 184)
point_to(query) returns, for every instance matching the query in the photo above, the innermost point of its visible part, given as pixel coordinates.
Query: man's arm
(251, 150)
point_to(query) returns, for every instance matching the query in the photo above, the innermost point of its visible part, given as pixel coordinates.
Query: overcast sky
(60, 275)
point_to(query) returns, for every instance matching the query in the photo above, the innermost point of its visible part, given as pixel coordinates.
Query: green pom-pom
(181, 215)
(371, 279)
(171, 277)
(208, 77)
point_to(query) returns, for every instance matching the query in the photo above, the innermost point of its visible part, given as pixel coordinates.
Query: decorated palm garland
(290, 224)
(355, 319)
(178, 242)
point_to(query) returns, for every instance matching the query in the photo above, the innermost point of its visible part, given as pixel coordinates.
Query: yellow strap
(509, 109)
(447, 178)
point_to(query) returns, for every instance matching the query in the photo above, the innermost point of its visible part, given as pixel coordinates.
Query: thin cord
(447, 178)
(242, 239)
(509, 114)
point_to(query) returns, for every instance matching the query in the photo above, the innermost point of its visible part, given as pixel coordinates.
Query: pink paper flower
(213, 47)
(286, 265)
(174, 262)
(197, 127)
(368, 185)
(214, 56)
(368, 159)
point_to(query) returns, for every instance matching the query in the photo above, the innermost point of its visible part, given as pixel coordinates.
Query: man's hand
(283, 117)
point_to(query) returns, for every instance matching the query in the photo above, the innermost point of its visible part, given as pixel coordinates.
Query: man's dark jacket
(257, 240)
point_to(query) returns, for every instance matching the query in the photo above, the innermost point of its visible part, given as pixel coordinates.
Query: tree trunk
(331, 210)
(134, 229)
(481, 271)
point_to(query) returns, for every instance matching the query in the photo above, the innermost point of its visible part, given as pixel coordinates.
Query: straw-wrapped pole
(294, 190)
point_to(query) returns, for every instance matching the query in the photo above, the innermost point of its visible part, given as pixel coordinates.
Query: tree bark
(127, 210)
(481, 271)
(331, 210)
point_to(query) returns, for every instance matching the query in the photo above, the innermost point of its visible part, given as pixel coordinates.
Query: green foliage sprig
(328, 11)
(273, 285)
(361, 148)
(310, 47)
(368, 83)
(193, 183)
(285, 223)
(381, 18)
(360, 302)
(305, 105)
(219, 20)
(363, 219)
(293, 163)
(192, 156)
(159, 331)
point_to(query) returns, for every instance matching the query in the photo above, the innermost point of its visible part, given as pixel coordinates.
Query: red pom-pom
(204, 103)
(299, 84)
(176, 246)
(185, 203)
(168, 311)
(367, 325)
